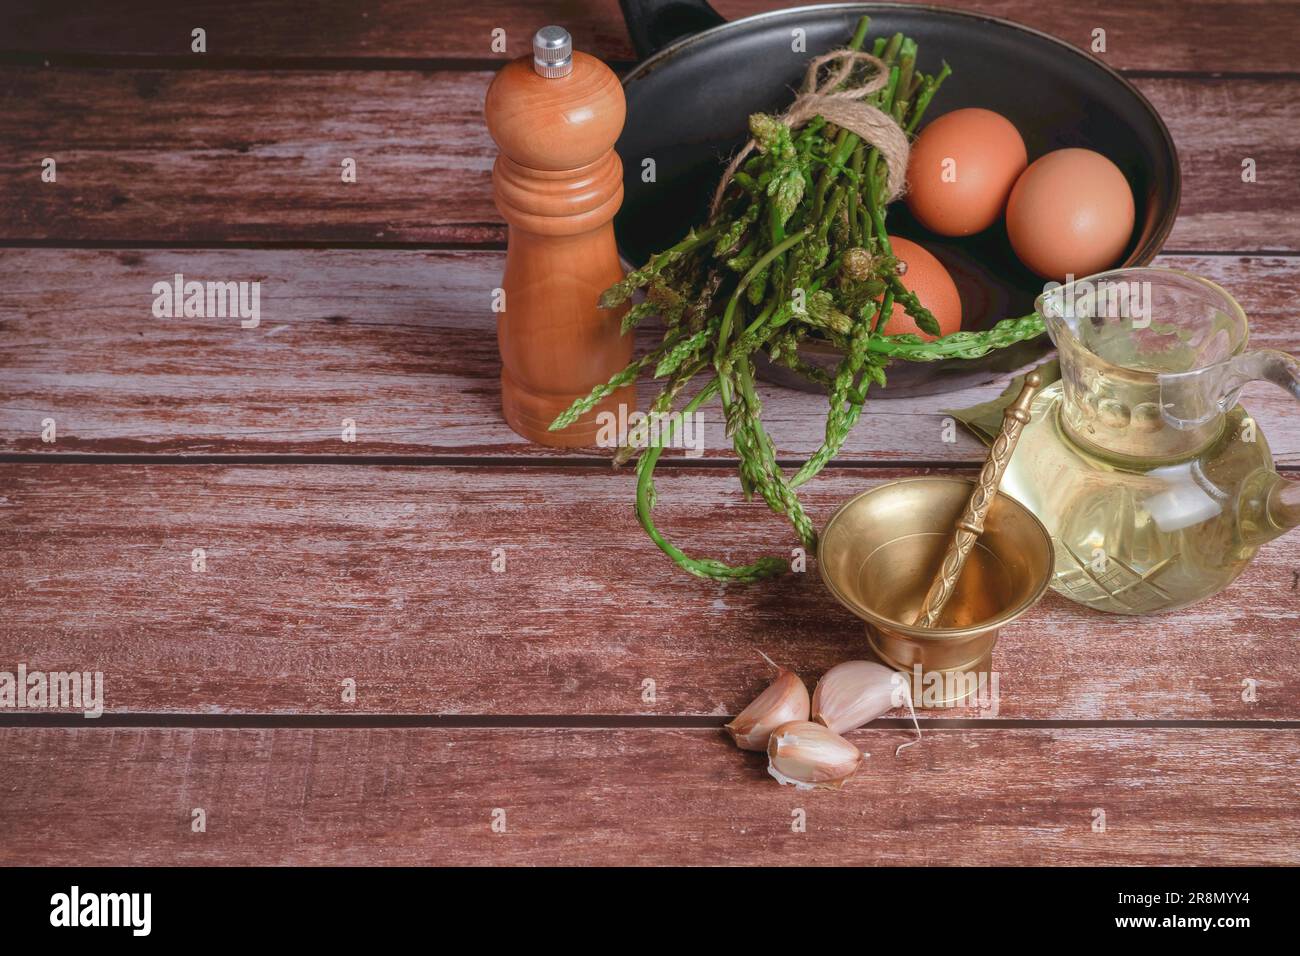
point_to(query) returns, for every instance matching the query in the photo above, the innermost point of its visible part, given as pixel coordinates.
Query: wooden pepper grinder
(558, 182)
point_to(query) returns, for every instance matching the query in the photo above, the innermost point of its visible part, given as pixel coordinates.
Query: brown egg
(929, 280)
(961, 170)
(1071, 212)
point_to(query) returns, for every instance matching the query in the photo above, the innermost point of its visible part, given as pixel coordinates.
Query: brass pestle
(971, 523)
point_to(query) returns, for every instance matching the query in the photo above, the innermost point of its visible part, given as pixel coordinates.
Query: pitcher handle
(1265, 365)
(1190, 399)
(1283, 505)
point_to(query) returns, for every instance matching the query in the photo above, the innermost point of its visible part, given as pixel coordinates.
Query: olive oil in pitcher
(1157, 487)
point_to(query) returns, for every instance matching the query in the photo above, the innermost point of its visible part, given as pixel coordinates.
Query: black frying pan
(700, 78)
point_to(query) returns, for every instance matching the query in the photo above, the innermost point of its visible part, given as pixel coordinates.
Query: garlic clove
(810, 756)
(852, 694)
(855, 693)
(784, 700)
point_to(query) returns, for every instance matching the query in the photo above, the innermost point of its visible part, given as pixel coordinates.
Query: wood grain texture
(1216, 126)
(647, 797)
(1154, 35)
(316, 574)
(245, 156)
(404, 343)
(254, 156)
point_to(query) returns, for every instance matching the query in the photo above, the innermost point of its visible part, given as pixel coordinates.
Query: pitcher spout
(1284, 506)
(1269, 508)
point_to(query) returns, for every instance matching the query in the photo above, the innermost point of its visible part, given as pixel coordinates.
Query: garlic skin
(784, 700)
(811, 756)
(852, 694)
(855, 693)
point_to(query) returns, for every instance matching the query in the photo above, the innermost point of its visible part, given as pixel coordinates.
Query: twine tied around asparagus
(846, 109)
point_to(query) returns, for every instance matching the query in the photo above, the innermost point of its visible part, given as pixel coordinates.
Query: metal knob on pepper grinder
(555, 115)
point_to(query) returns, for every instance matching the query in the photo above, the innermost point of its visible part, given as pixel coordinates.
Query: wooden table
(581, 690)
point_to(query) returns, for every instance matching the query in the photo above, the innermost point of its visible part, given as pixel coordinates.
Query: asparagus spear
(798, 247)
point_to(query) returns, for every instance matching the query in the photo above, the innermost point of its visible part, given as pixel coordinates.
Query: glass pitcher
(1157, 487)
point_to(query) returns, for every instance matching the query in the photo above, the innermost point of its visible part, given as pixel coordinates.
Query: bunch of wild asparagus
(797, 248)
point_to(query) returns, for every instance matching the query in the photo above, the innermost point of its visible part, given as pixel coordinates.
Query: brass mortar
(878, 555)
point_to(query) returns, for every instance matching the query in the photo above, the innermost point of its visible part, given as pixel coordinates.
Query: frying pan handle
(654, 24)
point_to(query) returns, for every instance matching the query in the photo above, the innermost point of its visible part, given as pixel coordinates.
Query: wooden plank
(1164, 35)
(648, 797)
(246, 156)
(384, 575)
(1217, 126)
(402, 342)
(253, 156)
